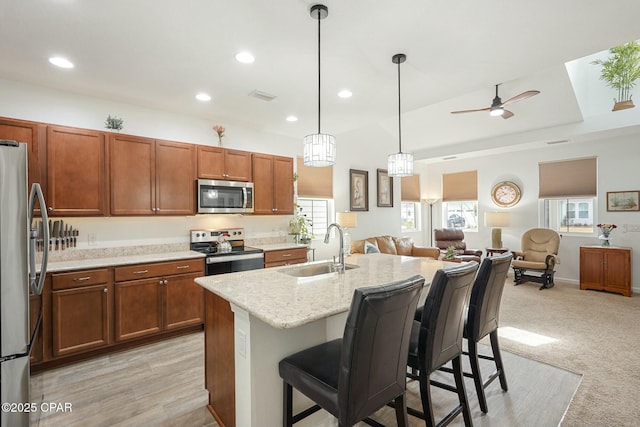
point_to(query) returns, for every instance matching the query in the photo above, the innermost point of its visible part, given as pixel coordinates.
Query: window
(462, 215)
(317, 213)
(560, 215)
(410, 215)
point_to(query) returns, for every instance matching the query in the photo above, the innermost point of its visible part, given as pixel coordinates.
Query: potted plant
(450, 254)
(621, 71)
(298, 226)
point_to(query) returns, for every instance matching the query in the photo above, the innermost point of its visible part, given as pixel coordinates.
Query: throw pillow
(370, 248)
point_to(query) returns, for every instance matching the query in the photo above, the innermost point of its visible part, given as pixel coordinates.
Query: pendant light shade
(319, 148)
(399, 164)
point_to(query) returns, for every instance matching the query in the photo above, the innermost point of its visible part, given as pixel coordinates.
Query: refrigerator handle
(37, 282)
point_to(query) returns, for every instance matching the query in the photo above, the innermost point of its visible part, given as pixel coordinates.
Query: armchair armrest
(425, 252)
(476, 252)
(551, 260)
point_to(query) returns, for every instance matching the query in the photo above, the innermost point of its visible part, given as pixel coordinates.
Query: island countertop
(283, 301)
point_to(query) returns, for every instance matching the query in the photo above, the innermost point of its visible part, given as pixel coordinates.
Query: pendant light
(319, 148)
(399, 164)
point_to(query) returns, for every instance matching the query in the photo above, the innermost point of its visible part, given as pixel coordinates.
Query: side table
(492, 251)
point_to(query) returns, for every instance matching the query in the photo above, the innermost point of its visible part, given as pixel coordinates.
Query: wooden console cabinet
(606, 268)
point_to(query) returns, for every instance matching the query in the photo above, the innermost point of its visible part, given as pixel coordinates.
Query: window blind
(460, 186)
(568, 178)
(314, 182)
(410, 188)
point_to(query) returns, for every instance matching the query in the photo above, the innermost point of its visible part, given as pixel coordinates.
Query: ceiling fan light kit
(399, 164)
(319, 148)
(497, 106)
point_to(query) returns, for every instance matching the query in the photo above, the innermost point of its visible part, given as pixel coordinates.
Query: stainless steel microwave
(216, 196)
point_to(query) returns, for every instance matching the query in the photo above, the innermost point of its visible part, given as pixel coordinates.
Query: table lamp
(496, 220)
(347, 220)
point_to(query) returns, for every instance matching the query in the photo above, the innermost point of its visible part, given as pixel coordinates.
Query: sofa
(447, 237)
(393, 245)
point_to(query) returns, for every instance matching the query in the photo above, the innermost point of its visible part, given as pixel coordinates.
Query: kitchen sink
(314, 269)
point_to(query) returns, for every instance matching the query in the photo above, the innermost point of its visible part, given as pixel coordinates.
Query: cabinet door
(33, 135)
(617, 271)
(591, 262)
(184, 301)
(175, 178)
(210, 162)
(35, 305)
(237, 165)
(263, 184)
(76, 179)
(283, 185)
(132, 169)
(138, 308)
(80, 319)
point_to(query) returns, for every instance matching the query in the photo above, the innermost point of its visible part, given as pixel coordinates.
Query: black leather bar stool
(437, 339)
(354, 376)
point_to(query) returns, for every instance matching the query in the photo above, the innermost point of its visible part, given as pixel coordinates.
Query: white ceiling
(160, 53)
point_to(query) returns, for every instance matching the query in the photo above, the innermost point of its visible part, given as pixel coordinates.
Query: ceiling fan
(497, 106)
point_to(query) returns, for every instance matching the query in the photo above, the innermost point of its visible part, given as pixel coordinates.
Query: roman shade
(568, 178)
(460, 186)
(410, 188)
(314, 182)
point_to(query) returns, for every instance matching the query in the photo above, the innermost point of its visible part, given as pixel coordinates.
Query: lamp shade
(400, 164)
(319, 150)
(347, 219)
(496, 219)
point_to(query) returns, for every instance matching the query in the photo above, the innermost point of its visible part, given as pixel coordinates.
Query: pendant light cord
(399, 114)
(319, 18)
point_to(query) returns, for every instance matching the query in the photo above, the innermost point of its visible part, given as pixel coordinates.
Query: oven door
(224, 196)
(233, 263)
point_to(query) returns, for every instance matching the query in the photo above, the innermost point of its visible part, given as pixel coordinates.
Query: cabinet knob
(49, 208)
(105, 290)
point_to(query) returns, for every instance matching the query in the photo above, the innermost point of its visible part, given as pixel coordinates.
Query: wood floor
(162, 384)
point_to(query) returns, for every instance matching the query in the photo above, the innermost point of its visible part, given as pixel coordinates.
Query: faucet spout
(341, 253)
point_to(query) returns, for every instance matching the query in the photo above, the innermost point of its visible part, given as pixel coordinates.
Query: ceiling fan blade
(471, 111)
(507, 114)
(523, 95)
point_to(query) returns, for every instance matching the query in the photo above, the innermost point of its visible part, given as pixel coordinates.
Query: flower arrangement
(220, 131)
(299, 227)
(606, 231)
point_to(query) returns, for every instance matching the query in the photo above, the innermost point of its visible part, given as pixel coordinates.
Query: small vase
(605, 239)
(219, 141)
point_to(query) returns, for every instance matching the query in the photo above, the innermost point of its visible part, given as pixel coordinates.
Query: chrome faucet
(340, 265)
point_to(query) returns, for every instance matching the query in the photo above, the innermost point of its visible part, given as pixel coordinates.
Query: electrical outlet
(93, 239)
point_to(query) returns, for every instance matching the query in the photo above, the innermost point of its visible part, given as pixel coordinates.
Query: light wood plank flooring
(162, 384)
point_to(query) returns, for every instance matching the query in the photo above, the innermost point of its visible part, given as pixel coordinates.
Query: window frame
(544, 219)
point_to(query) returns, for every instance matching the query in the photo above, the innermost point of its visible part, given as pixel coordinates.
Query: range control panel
(203, 236)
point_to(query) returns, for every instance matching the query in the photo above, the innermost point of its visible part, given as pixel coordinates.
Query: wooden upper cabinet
(151, 177)
(33, 134)
(175, 178)
(76, 172)
(225, 164)
(273, 184)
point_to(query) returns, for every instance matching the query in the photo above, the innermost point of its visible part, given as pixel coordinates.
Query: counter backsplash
(73, 254)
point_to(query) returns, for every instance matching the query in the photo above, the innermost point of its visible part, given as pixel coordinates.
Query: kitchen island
(253, 319)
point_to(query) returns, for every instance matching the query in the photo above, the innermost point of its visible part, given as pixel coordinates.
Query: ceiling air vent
(262, 95)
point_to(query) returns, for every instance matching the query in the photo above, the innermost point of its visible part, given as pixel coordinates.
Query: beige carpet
(597, 335)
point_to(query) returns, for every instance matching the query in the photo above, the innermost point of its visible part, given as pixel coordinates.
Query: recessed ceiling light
(245, 57)
(292, 119)
(203, 97)
(61, 62)
(345, 93)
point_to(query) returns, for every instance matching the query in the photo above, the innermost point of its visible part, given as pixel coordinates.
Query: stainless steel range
(225, 250)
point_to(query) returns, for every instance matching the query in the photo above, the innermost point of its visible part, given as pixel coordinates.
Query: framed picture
(385, 189)
(623, 201)
(359, 190)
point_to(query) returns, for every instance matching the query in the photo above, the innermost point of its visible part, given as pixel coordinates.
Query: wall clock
(506, 194)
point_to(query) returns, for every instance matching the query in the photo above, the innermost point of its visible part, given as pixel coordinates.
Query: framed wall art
(623, 201)
(359, 190)
(385, 189)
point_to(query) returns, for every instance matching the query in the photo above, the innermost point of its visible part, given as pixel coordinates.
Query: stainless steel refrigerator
(18, 276)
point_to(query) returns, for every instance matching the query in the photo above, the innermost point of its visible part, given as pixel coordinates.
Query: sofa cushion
(404, 245)
(370, 248)
(386, 245)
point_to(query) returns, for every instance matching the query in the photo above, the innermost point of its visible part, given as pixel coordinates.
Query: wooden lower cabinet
(138, 306)
(285, 257)
(606, 269)
(35, 305)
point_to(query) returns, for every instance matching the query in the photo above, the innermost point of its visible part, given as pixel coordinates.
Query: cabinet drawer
(143, 271)
(284, 256)
(79, 278)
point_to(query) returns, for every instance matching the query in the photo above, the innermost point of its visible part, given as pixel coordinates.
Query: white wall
(618, 160)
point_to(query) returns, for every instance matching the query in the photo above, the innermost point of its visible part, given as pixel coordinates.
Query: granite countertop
(284, 301)
(81, 264)
(279, 246)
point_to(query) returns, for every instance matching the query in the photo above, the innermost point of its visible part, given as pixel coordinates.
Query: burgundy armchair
(447, 237)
